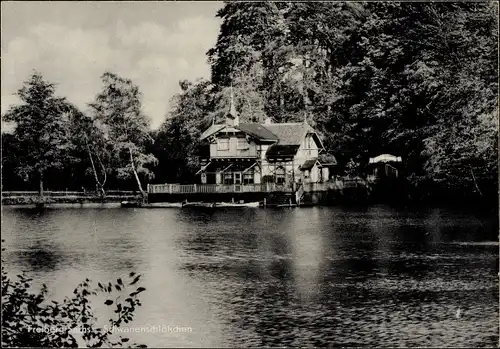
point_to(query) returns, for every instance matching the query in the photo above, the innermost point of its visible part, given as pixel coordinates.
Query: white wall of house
(315, 174)
(325, 174)
(308, 150)
(263, 151)
(266, 168)
(256, 178)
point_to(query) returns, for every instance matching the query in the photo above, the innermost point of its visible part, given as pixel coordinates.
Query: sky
(72, 44)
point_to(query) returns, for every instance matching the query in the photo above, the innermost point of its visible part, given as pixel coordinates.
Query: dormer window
(223, 144)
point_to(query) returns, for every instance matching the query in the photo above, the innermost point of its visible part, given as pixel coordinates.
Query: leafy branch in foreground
(29, 319)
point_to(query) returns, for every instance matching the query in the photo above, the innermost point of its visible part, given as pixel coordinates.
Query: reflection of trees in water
(197, 214)
(360, 265)
(26, 248)
(52, 238)
(263, 315)
(42, 259)
(262, 289)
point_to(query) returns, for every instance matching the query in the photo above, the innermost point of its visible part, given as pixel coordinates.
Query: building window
(306, 173)
(309, 145)
(280, 175)
(223, 144)
(228, 178)
(242, 144)
(248, 178)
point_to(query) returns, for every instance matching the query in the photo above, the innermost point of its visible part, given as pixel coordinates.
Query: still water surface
(289, 277)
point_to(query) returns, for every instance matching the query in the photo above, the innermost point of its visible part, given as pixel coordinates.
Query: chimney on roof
(268, 121)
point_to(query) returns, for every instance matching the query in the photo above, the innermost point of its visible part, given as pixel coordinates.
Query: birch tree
(90, 147)
(117, 112)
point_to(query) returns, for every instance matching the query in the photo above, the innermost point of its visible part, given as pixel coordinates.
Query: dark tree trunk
(40, 203)
(40, 189)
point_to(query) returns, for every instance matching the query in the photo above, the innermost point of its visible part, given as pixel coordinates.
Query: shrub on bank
(29, 319)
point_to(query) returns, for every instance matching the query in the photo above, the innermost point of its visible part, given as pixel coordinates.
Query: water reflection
(293, 277)
(307, 256)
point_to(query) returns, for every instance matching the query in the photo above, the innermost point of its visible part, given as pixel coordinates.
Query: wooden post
(275, 173)
(195, 188)
(264, 202)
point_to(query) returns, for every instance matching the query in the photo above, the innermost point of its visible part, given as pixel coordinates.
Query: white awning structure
(385, 158)
(203, 168)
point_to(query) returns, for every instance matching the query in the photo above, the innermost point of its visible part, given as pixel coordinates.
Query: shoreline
(75, 200)
(68, 205)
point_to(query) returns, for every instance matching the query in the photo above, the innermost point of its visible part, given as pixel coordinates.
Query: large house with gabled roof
(253, 153)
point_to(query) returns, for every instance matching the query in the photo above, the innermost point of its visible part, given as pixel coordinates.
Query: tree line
(417, 80)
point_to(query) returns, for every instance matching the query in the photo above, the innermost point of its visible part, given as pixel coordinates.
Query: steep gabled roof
(279, 150)
(212, 130)
(256, 130)
(290, 133)
(308, 164)
(284, 134)
(259, 131)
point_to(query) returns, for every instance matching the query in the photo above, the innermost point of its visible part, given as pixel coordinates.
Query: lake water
(284, 277)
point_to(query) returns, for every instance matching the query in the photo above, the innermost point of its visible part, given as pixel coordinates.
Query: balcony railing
(335, 185)
(217, 188)
(253, 188)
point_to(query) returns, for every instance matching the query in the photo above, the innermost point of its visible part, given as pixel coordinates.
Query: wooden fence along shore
(252, 188)
(33, 197)
(294, 192)
(109, 193)
(268, 194)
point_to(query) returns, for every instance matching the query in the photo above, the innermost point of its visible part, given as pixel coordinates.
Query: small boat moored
(243, 204)
(164, 205)
(131, 204)
(198, 204)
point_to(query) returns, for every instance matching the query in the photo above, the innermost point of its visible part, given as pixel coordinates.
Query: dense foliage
(117, 111)
(41, 137)
(417, 80)
(66, 148)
